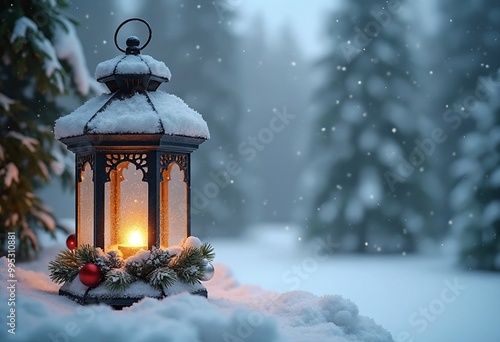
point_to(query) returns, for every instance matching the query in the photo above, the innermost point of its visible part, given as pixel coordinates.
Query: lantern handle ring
(133, 19)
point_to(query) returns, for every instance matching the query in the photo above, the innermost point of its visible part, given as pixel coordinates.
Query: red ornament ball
(90, 275)
(71, 241)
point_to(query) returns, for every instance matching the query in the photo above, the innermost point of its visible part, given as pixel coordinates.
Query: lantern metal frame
(152, 153)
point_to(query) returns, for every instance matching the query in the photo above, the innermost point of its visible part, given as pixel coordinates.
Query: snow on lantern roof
(133, 106)
(132, 64)
(142, 113)
(132, 72)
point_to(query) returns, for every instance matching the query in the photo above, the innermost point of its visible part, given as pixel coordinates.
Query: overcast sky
(306, 18)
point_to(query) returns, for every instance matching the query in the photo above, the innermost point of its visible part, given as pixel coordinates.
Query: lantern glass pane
(126, 201)
(173, 207)
(85, 214)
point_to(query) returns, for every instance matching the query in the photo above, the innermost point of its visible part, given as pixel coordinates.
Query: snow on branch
(26, 30)
(28, 142)
(69, 48)
(11, 174)
(47, 220)
(28, 234)
(21, 27)
(65, 47)
(6, 102)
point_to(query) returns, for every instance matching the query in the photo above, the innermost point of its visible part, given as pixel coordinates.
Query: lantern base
(84, 295)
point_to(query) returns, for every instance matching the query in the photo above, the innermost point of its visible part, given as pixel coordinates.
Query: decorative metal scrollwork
(138, 159)
(80, 164)
(180, 159)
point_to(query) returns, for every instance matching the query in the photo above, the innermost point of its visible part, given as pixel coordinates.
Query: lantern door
(85, 199)
(126, 202)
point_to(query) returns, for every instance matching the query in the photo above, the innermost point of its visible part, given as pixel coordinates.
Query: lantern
(133, 150)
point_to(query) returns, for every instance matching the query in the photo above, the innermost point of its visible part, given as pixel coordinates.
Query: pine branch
(207, 250)
(157, 258)
(188, 265)
(160, 269)
(118, 280)
(65, 267)
(108, 261)
(114, 260)
(136, 269)
(86, 254)
(162, 277)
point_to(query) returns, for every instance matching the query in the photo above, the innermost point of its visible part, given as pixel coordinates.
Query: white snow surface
(411, 296)
(131, 64)
(418, 298)
(232, 313)
(134, 115)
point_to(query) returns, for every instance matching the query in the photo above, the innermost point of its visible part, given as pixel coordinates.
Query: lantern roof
(132, 65)
(141, 113)
(132, 72)
(133, 105)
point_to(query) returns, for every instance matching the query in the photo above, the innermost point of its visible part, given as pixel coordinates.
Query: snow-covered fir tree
(197, 43)
(41, 60)
(364, 184)
(462, 47)
(465, 48)
(475, 198)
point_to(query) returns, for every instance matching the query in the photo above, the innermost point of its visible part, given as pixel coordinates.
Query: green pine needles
(68, 263)
(161, 277)
(65, 267)
(157, 267)
(118, 279)
(189, 265)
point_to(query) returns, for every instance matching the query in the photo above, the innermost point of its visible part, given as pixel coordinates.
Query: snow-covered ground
(415, 298)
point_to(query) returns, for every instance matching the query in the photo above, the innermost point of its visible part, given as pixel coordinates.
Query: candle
(135, 244)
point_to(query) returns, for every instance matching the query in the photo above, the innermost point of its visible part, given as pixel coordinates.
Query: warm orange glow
(135, 243)
(135, 239)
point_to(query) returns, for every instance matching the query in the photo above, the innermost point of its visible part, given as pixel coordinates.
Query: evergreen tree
(200, 49)
(473, 53)
(463, 48)
(365, 181)
(40, 52)
(475, 198)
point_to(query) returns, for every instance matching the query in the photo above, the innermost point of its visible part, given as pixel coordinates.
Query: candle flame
(135, 239)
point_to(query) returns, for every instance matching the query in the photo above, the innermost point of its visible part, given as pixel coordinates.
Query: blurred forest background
(386, 140)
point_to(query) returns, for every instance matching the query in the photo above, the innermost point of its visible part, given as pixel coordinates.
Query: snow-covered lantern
(133, 150)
